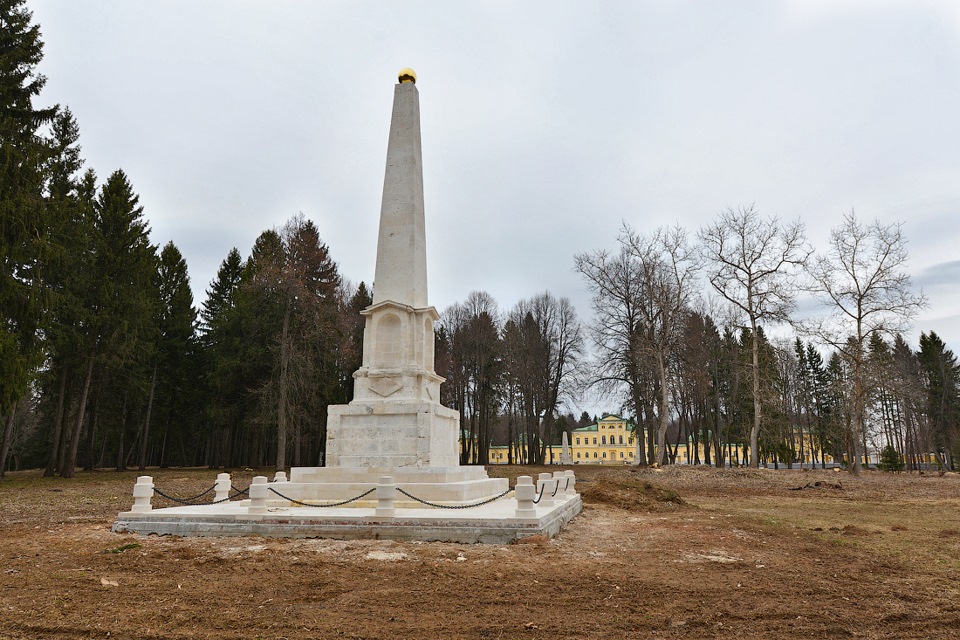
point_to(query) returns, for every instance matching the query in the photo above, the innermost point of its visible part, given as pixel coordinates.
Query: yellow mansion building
(609, 441)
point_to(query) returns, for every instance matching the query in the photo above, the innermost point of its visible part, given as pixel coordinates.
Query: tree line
(679, 344)
(106, 361)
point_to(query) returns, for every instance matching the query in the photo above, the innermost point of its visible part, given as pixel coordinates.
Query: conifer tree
(118, 301)
(70, 240)
(173, 377)
(942, 382)
(24, 242)
(222, 343)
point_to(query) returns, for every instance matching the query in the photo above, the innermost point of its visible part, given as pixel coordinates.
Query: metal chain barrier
(556, 487)
(539, 495)
(239, 492)
(333, 504)
(190, 501)
(228, 498)
(453, 506)
(192, 498)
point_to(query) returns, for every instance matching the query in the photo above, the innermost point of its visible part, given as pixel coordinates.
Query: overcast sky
(545, 124)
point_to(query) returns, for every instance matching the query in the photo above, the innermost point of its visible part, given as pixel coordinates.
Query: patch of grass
(123, 547)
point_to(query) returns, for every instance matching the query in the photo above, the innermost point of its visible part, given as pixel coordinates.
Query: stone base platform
(493, 523)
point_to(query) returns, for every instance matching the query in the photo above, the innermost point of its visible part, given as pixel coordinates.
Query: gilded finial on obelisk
(407, 75)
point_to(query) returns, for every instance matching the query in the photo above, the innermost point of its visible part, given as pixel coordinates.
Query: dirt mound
(624, 492)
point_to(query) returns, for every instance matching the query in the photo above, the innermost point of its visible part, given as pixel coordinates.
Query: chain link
(556, 488)
(453, 506)
(229, 497)
(543, 490)
(190, 501)
(334, 504)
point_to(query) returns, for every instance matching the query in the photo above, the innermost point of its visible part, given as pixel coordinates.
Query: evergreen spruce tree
(70, 240)
(223, 344)
(119, 303)
(24, 241)
(942, 382)
(172, 401)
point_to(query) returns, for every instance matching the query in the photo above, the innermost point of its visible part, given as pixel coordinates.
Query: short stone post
(572, 487)
(545, 487)
(386, 490)
(280, 476)
(142, 494)
(221, 488)
(560, 477)
(258, 495)
(525, 492)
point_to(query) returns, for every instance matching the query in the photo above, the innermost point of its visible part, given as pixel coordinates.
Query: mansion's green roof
(607, 418)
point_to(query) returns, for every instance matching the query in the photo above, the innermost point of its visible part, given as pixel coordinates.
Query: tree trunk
(664, 413)
(70, 464)
(92, 430)
(7, 437)
(146, 423)
(755, 431)
(121, 462)
(856, 423)
(57, 441)
(282, 403)
(636, 396)
(651, 434)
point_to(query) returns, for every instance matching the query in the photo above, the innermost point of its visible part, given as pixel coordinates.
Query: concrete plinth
(392, 434)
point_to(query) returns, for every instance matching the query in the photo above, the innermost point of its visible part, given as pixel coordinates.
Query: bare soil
(673, 553)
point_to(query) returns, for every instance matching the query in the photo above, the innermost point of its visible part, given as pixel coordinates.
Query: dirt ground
(679, 552)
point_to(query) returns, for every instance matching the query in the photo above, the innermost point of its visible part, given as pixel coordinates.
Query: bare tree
(752, 260)
(544, 348)
(862, 278)
(615, 282)
(668, 268)
(475, 364)
(641, 299)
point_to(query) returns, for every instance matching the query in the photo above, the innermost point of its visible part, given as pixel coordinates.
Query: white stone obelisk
(395, 418)
(565, 457)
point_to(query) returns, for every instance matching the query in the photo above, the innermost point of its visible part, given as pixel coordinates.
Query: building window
(604, 454)
(594, 441)
(621, 454)
(603, 439)
(621, 439)
(578, 440)
(631, 454)
(578, 454)
(594, 454)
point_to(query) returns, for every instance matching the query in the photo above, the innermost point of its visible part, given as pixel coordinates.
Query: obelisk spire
(401, 272)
